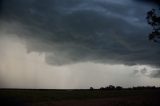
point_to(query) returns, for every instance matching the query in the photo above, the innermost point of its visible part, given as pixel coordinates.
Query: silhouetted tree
(102, 88)
(110, 87)
(91, 88)
(118, 88)
(154, 20)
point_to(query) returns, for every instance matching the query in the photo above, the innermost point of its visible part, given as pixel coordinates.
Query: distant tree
(102, 88)
(110, 87)
(154, 20)
(91, 88)
(118, 88)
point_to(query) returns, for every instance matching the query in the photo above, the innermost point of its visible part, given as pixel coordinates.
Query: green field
(23, 97)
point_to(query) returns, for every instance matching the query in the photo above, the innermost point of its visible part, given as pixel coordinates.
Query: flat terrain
(30, 97)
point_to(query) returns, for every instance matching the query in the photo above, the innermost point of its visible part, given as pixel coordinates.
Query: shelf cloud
(100, 31)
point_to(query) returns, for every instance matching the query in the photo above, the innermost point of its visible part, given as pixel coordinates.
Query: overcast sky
(65, 44)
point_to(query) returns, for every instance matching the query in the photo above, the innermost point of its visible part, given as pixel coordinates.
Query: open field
(79, 97)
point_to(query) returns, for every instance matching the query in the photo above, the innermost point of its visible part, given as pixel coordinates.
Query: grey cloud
(135, 72)
(149, 73)
(144, 71)
(155, 74)
(77, 31)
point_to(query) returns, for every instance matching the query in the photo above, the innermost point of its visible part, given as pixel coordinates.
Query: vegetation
(154, 20)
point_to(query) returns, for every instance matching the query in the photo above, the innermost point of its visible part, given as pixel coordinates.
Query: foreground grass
(37, 96)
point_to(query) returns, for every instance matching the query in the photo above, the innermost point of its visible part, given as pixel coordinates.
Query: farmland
(38, 97)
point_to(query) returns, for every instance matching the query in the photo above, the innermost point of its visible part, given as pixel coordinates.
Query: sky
(76, 44)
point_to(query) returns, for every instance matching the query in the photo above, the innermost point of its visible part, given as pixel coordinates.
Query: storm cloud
(157, 2)
(69, 31)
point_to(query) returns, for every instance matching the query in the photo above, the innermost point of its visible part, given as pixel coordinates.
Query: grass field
(15, 97)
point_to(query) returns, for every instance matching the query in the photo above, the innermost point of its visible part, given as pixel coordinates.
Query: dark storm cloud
(150, 1)
(70, 31)
(1, 6)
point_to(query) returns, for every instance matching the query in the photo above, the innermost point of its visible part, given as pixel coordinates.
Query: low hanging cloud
(155, 74)
(68, 32)
(152, 73)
